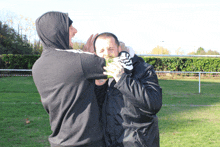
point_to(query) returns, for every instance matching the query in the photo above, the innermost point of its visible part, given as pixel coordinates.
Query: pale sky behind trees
(141, 24)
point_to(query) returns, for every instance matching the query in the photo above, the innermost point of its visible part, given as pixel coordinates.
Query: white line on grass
(35, 103)
(190, 105)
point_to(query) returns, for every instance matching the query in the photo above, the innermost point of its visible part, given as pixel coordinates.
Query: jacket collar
(135, 59)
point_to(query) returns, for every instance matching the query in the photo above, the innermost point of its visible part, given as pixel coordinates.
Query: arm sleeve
(92, 66)
(144, 92)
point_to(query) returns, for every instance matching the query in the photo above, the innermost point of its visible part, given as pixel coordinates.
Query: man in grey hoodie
(65, 81)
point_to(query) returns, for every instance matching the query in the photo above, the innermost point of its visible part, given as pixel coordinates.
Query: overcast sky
(141, 24)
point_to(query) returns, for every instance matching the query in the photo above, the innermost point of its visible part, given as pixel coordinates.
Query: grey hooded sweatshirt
(65, 81)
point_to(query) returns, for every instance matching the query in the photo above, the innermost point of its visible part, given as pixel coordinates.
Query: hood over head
(53, 30)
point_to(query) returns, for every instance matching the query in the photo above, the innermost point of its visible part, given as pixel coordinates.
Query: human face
(106, 47)
(72, 32)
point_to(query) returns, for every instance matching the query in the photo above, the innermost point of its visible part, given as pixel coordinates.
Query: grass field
(187, 118)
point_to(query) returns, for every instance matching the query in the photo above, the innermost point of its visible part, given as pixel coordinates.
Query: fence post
(199, 82)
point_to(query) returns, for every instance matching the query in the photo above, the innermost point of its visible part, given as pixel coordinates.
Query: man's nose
(106, 53)
(75, 30)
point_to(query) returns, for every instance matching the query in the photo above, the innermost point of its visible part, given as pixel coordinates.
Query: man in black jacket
(131, 100)
(65, 79)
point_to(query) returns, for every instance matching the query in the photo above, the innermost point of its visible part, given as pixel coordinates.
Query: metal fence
(199, 73)
(7, 72)
(29, 70)
(162, 55)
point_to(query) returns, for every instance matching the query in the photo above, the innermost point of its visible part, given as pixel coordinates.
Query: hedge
(11, 61)
(184, 64)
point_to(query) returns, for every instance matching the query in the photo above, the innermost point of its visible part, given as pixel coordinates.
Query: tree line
(11, 42)
(201, 51)
(18, 35)
(164, 51)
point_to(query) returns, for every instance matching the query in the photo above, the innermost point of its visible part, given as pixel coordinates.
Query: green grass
(187, 118)
(19, 100)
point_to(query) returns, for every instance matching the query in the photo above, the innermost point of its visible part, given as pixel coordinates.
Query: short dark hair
(106, 34)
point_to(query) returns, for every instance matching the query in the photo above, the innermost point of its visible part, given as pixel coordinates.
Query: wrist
(118, 76)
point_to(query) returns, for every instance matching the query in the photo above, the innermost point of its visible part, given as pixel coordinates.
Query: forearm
(146, 96)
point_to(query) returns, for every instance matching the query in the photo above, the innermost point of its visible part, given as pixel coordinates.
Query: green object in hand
(108, 60)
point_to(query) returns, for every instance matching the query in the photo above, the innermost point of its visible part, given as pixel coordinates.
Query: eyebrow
(111, 48)
(107, 48)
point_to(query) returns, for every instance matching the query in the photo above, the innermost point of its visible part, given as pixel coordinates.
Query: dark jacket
(65, 81)
(130, 107)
